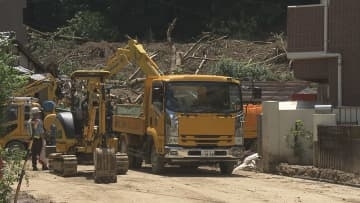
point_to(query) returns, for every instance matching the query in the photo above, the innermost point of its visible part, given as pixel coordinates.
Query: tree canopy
(248, 19)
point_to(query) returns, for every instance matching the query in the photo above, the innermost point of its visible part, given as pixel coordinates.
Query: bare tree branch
(172, 45)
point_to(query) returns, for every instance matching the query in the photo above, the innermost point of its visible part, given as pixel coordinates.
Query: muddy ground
(205, 184)
(201, 185)
(319, 174)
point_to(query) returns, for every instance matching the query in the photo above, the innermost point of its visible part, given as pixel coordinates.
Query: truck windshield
(206, 97)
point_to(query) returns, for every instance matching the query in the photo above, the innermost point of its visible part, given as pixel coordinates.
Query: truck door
(156, 114)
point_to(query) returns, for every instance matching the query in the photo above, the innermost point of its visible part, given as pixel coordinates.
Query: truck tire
(157, 161)
(226, 168)
(16, 145)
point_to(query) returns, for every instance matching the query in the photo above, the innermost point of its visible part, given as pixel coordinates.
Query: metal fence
(338, 147)
(348, 115)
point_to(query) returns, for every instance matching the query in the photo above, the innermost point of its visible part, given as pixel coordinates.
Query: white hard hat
(35, 110)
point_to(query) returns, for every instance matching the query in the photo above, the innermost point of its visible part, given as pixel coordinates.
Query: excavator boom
(133, 53)
(47, 81)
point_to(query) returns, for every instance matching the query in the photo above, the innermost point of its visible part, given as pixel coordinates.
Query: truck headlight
(172, 128)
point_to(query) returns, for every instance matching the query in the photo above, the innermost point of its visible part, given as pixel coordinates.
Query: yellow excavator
(81, 134)
(185, 120)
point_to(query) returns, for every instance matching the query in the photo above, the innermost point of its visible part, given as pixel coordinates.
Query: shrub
(9, 81)
(89, 25)
(241, 70)
(11, 170)
(232, 68)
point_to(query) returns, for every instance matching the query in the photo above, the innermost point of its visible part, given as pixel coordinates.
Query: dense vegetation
(9, 81)
(148, 20)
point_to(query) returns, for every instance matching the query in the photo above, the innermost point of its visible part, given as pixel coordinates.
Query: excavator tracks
(64, 165)
(107, 165)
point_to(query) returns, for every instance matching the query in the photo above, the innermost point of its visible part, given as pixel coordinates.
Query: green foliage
(68, 66)
(13, 162)
(9, 81)
(9, 77)
(252, 19)
(242, 29)
(299, 139)
(240, 70)
(88, 25)
(50, 49)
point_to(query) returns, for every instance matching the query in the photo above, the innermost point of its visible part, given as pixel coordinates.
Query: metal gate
(338, 148)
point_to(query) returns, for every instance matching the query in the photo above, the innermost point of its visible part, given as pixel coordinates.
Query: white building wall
(278, 119)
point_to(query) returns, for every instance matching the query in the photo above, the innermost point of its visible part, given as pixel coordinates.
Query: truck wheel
(226, 168)
(157, 161)
(16, 145)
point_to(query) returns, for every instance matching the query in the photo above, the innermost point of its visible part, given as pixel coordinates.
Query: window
(157, 95)
(220, 97)
(11, 113)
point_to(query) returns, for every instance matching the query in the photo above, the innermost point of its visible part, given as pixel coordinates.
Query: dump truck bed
(129, 118)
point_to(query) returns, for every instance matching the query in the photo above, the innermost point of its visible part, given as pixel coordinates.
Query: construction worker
(37, 136)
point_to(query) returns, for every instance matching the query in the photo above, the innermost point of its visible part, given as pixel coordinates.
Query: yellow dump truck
(186, 120)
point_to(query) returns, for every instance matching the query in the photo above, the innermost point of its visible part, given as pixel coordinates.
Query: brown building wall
(323, 71)
(343, 38)
(303, 27)
(317, 67)
(11, 17)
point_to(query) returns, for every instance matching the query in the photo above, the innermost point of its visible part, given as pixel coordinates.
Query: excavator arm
(48, 82)
(133, 53)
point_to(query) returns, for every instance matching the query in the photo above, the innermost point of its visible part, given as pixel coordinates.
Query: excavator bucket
(105, 165)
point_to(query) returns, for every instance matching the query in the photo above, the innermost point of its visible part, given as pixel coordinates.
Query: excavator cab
(90, 108)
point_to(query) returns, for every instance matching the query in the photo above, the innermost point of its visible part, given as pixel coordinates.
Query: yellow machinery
(186, 120)
(17, 113)
(81, 135)
(44, 87)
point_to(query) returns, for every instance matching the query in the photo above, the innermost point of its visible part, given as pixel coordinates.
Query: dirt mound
(319, 174)
(203, 52)
(208, 49)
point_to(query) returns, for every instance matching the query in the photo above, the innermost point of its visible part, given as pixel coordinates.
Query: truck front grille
(206, 140)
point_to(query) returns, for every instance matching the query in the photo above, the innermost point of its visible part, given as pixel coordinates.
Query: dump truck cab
(186, 120)
(201, 118)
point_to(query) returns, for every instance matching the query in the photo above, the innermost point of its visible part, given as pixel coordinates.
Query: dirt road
(201, 185)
